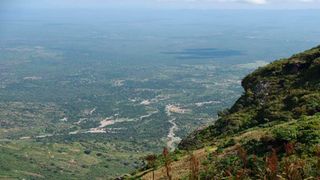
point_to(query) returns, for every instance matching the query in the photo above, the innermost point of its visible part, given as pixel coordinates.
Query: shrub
(286, 133)
(87, 151)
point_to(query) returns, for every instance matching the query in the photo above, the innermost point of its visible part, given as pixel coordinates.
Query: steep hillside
(271, 132)
(281, 92)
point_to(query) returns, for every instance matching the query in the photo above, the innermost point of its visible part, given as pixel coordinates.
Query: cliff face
(283, 91)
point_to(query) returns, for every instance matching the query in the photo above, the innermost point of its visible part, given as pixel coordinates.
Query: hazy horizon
(164, 4)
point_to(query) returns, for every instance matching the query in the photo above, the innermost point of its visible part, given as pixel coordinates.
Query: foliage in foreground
(290, 151)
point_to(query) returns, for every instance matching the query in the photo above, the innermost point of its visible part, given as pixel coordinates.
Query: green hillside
(271, 132)
(283, 91)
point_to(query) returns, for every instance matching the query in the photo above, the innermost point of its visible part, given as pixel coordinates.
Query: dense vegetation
(271, 132)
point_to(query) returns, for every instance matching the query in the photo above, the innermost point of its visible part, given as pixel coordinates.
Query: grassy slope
(36, 160)
(281, 105)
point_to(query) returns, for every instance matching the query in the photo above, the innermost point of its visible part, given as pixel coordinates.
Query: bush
(305, 130)
(87, 151)
(286, 133)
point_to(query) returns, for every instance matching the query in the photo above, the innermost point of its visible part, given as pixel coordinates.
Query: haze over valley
(88, 92)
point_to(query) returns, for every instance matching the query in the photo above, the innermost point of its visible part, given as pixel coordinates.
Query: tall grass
(167, 162)
(318, 161)
(272, 164)
(194, 167)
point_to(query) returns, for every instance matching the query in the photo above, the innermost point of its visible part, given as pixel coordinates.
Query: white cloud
(257, 1)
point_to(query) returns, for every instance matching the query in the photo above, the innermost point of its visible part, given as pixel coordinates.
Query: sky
(164, 4)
